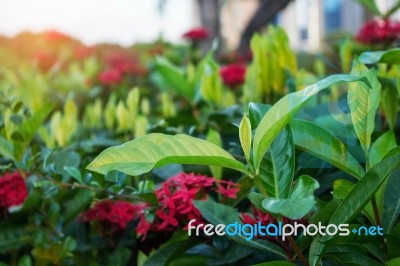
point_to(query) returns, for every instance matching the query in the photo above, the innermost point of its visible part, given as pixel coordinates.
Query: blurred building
(307, 22)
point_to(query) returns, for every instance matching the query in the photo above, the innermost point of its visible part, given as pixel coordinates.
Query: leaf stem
(376, 212)
(298, 251)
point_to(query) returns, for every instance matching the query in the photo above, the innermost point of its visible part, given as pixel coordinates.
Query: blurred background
(307, 22)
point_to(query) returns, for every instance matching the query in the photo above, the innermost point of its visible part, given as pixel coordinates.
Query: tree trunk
(209, 16)
(265, 14)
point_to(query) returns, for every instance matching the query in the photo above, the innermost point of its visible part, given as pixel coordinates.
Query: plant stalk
(298, 251)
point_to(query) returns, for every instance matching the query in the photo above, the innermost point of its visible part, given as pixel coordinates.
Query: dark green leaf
(319, 142)
(275, 263)
(358, 198)
(390, 105)
(277, 168)
(217, 213)
(391, 201)
(381, 147)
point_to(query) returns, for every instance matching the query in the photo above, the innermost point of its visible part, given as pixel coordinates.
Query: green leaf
(232, 254)
(141, 155)
(277, 168)
(257, 112)
(381, 147)
(371, 6)
(217, 213)
(6, 148)
(214, 137)
(256, 199)
(298, 204)
(391, 201)
(275, 263)
(358, 198)
(389, 57)
(280, 114)
(25, 261)
(389, 105)
(351, 256)
(245, 136)
(319, 142)
(342, 188)
(393, 262)
(78, 203)
(74, 172)
(60, 160)
(175, 78)
(30, 127)
(168, 252)
(119, 257)
(363, 102)
(12, 236)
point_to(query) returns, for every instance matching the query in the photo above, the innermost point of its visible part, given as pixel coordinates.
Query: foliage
(111, 170)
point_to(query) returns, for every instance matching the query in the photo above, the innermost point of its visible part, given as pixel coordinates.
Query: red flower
(110, 77)
(196, 34)
(229, 191)
(233, 75)
(13, 191)
(143, 227)
(114, 213)
(175, 207)
(379, 32)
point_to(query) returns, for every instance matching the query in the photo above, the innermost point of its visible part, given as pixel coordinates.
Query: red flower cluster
(119, 64)
(175, 197)
(233, 75)
(379, 32)
(13, 191)
(126, 63)
(113, 213)
(196, 34)
(110, 77)
(266, 219)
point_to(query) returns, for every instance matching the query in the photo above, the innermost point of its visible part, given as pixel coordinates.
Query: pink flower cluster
(13, 191)
(379, 32)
